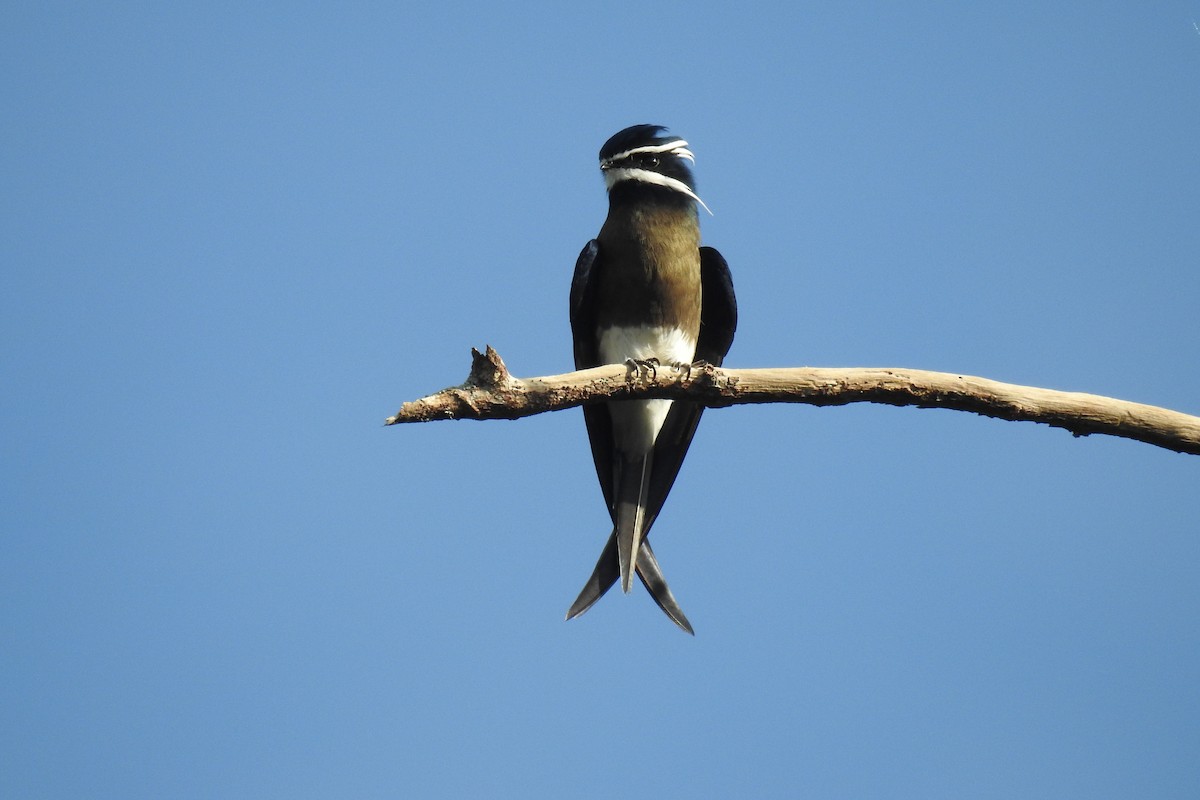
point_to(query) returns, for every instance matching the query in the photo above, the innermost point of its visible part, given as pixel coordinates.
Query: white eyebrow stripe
(614, 176)
(677, 146)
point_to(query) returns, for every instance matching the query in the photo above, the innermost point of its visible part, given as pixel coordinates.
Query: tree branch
(490, 392)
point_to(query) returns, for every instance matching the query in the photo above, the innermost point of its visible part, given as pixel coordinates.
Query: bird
(645, 292)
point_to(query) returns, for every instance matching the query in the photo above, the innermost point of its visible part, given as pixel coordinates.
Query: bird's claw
(638, 369)
(684, 368)
(699, 365)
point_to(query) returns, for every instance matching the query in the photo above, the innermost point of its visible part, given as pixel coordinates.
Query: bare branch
(490, 392)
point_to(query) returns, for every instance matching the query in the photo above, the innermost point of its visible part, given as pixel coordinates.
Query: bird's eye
(651, 161)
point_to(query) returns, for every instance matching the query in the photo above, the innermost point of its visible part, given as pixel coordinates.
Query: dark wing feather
(583, 331)
(718, 314)
(583, 319)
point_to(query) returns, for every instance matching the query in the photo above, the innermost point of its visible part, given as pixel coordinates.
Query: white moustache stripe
(614, 176)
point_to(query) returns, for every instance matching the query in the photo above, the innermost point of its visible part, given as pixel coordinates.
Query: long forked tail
(608, 570)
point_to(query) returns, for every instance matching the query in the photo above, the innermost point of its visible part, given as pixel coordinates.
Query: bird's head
(643, 156)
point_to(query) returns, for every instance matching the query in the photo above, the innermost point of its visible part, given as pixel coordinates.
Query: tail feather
(633, 484)
(652, 578)
(605, 575)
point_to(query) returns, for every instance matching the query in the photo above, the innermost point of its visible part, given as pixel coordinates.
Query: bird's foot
(641, 369)
(685, 368)
(700, 369)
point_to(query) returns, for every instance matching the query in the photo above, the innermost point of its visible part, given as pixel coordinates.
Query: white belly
(636, 424)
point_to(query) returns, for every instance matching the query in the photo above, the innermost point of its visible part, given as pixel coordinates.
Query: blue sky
(236, 237)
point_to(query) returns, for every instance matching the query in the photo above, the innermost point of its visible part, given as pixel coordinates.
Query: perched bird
(645, 290)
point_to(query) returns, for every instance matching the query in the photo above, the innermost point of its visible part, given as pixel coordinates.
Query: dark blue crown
(634, 136)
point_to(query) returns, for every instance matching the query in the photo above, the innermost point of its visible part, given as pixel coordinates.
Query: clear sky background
(235, 237)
